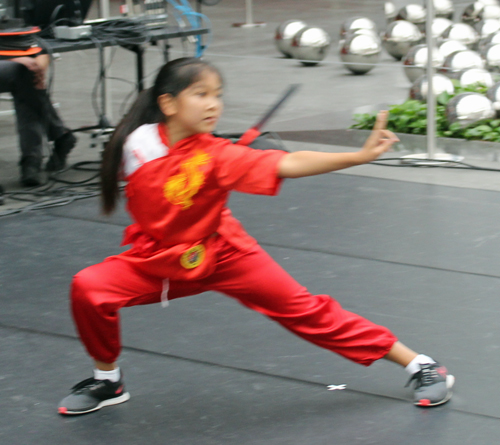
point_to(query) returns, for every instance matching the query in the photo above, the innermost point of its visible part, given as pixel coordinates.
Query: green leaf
(443, 99)
(492, 136)
(455, 126)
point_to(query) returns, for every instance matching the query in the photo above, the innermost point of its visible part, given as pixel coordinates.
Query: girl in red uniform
(185, 240)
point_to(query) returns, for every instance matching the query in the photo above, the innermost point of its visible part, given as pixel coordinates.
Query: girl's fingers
(387, 134)
(381, 122)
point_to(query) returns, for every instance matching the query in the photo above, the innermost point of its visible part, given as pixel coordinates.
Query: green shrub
(411, 117)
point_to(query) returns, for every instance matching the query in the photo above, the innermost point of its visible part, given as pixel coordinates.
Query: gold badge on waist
(193, 257)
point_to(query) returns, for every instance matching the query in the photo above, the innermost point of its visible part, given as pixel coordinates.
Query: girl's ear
(167, 104)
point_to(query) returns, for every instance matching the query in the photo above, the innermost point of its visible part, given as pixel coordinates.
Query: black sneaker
(30, 173)
(62, 146)
(91, 395)
(432, 385)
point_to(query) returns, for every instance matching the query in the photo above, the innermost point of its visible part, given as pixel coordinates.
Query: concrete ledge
(410, 143)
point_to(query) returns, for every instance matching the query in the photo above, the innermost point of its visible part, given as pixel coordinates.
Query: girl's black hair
(173, 77)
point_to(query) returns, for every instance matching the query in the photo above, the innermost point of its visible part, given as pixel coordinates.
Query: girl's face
(196, 109)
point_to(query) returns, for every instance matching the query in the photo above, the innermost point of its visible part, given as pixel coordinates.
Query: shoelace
(425, 377)
(89, 383)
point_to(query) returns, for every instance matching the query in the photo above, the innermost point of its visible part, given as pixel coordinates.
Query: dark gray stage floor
(417, 250)
(420, 259)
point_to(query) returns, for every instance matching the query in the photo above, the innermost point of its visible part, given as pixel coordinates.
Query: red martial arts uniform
(185, 241)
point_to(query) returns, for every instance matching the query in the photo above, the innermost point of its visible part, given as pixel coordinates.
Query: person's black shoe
(62, 146)
(91, 394)
(30, 174)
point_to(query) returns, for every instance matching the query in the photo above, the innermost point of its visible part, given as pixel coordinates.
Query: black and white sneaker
(432, 385)
(91, 395)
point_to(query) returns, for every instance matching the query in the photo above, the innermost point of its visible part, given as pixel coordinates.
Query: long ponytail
(145, 110)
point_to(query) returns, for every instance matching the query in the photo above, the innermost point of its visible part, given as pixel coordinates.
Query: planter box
(410, 143)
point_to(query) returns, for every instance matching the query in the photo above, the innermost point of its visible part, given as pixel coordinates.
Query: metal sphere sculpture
(491, 56)
(440, 84)
(458, 61)
(491, 12)
(415, 61)
(473, 13)
(492, 38)
(487, 27)
(414, 14)
(399, 37)
(474, 76)
(360, 53)
(285, 33)
(489, 2)
(357, 23)
(444, 8)
(390, 12)
(310, 45)
(450, 46)
(463, 33)
(469, 108)
(439, 26)
(493, 94)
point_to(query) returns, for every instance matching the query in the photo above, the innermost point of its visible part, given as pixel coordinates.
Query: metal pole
(431, 100)
(249, 23)
(431, 157)
(249, 12)
(104, 12)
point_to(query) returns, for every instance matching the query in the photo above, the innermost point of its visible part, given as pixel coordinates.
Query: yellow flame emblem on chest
(181, 188)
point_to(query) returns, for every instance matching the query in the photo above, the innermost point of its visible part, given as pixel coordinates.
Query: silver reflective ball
(473, 76)
(492, 38)
(390, 12)
(491, 12)
(463, 33)
(493, 94)
(399, 37)
(310, 45)
(491, 56)
(461, 60)
(443, 8)
(360, 53)
(439, 26)
(415, 61)
(440, 84)
(413, 13)
(469, 108)
(285, 33)
(357, 23)
(366, 32)
(450, 46)
(487, 27)
(473, 13)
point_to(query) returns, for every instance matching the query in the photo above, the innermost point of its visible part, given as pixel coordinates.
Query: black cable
(441, 163)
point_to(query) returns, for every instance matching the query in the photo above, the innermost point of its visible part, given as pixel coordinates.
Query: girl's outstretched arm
(309, 163)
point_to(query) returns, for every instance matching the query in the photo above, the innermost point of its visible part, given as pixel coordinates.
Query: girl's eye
(201, 93)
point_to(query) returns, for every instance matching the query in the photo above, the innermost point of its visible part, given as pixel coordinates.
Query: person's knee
(83, 288)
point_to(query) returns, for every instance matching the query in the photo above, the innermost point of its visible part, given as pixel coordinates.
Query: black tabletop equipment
(18, 42)
(44, 13)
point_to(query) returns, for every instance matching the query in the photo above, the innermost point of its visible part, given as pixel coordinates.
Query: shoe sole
(425, 403)
(114, 401)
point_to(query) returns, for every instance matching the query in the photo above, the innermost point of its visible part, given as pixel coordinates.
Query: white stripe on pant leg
(164, 292)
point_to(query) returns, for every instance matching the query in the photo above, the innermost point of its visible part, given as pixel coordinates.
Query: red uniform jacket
(177, 198)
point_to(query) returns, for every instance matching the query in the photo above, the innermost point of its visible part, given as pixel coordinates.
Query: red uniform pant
(253, 278)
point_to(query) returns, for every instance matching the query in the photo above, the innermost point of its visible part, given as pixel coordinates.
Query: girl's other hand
(379, 141)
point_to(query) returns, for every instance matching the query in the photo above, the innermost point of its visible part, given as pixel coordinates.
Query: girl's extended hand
(379, 141)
